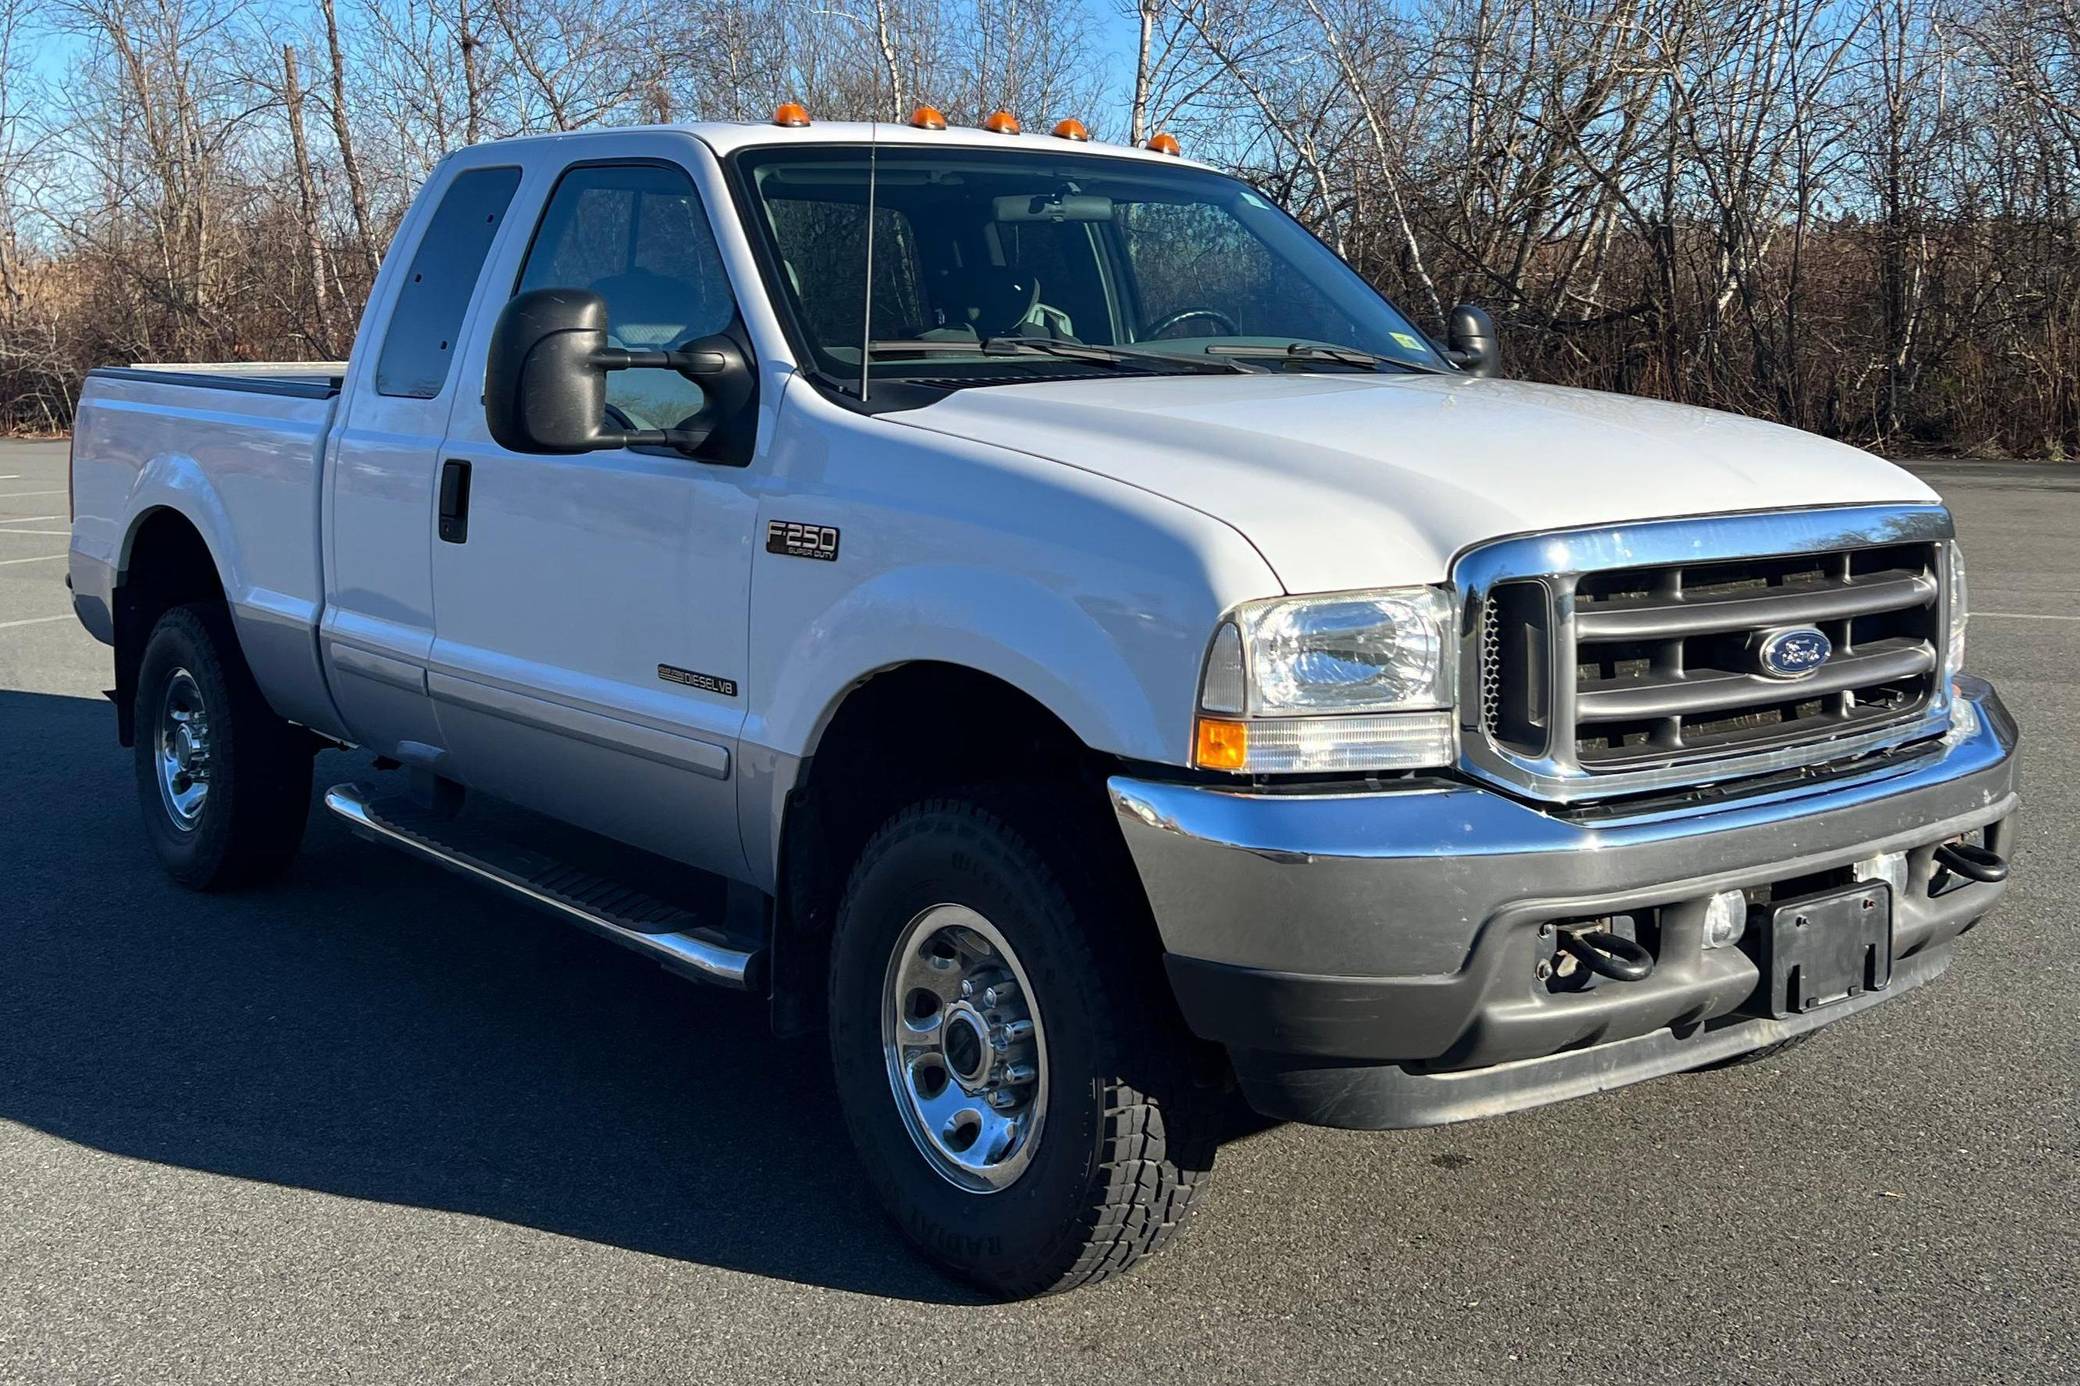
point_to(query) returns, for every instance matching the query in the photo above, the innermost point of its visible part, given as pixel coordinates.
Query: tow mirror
(1470, 341)
(545, 381)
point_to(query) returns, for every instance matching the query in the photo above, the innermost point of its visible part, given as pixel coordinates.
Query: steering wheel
(1158, 329)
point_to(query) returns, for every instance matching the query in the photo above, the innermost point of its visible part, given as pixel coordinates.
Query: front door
(590, 612)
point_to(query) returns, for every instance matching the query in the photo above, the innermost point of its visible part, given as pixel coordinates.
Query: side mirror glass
(545, 381)
(1470, 341)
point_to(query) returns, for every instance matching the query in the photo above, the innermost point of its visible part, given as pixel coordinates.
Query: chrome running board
(672, 936)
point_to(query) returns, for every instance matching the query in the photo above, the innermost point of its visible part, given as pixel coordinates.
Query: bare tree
(307, 192)
(1861, 216)
(343, 137)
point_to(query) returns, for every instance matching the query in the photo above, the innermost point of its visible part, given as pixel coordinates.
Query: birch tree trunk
(307, 192)
(343, 137)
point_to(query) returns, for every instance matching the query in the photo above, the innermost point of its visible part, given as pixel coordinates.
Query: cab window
(825, 259)
(1198, 270)
(636, 235)
(419, 346)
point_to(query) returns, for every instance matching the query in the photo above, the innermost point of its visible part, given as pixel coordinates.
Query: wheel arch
(903, 733)
(166, 562)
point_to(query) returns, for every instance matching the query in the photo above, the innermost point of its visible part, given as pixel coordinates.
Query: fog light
(1725, 919)
(1889, 867)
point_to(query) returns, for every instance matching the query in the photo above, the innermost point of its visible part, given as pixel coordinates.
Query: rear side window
(420, 345)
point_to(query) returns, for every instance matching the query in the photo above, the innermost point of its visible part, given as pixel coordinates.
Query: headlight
(1353, 681)
(1953, 652)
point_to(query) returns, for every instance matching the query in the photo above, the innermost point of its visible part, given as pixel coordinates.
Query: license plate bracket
(1828, 947)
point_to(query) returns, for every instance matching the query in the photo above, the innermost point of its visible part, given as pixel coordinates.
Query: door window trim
(700, 202)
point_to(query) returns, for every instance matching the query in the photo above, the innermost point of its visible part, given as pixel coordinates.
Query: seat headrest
(1000, 299)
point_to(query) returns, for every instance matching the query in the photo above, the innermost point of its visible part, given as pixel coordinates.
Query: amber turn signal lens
(1220, 745)
(1071, 130)
(793, 114)
(1001, 123)
(1162, 142)
(928, 118)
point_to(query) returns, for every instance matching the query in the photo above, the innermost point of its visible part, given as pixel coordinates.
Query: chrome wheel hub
(183, 743)
(967, 1060)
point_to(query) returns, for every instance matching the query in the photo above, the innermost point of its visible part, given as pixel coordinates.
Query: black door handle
(454, 516)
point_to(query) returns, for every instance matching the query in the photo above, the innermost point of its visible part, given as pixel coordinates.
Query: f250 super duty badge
(802, 541)
(707, 683)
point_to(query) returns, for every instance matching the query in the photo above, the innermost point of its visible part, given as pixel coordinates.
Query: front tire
(1021, 1091)
(224, 783)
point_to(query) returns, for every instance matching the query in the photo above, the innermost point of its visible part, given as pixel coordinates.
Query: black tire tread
(1157, 1156)
(261, 771)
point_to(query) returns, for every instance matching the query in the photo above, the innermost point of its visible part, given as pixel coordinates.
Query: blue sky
(1112, 28)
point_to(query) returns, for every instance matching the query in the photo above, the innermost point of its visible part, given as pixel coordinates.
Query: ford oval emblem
(1793, 652)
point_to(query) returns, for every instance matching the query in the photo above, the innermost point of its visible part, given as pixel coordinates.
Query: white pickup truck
(1094, 653)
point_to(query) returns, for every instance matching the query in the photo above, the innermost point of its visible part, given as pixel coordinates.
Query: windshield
(1154, 269)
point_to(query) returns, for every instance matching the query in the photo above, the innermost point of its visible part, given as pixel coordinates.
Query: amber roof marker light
(1163, 142)
(1001, 123)
(1071, 129)
(928, 118)
(792, 114)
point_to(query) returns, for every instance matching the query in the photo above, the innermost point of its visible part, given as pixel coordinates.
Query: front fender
(1091, 596)
(1100, 671)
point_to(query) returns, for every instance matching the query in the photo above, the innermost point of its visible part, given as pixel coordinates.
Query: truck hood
(1345, 481)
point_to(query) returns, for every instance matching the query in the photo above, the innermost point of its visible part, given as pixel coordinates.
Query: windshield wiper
(972, 346)
(1122, 355)
(1295, 354)
(1118, 357)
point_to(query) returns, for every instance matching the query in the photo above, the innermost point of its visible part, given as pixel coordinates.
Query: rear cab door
(591, 612)
(403, 382)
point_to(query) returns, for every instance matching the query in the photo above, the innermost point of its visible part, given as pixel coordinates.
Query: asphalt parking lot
(370, 1125)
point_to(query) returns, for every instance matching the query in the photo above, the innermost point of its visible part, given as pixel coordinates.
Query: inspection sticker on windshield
(1412, 343)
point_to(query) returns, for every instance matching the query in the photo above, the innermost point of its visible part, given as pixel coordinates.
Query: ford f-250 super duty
(1095, 654)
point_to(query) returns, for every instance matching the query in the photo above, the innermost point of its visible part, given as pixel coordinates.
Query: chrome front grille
(1609, 661)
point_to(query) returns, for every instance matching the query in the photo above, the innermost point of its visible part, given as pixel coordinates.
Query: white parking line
(11, 476)
(46, 533)
(41, 558)
(34, 621)
(25, 519)
(2023, 616)
(17, 495)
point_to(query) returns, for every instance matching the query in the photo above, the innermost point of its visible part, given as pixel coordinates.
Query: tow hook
(1973, 862)
(1608, 955)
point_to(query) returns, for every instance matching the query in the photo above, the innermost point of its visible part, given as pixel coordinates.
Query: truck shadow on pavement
(372, 1028)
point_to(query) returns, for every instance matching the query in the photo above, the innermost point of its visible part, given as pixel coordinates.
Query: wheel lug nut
(1002, 1099)
(1019, 1073)
(1016, 1031)
(999, 993)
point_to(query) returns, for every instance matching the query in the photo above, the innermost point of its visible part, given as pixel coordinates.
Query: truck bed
(235, 450)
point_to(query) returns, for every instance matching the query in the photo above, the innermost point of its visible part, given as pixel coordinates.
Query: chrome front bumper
(1370, 959)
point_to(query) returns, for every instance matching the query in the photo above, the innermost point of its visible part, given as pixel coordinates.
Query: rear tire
(1118, 1139)
(224, 783)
